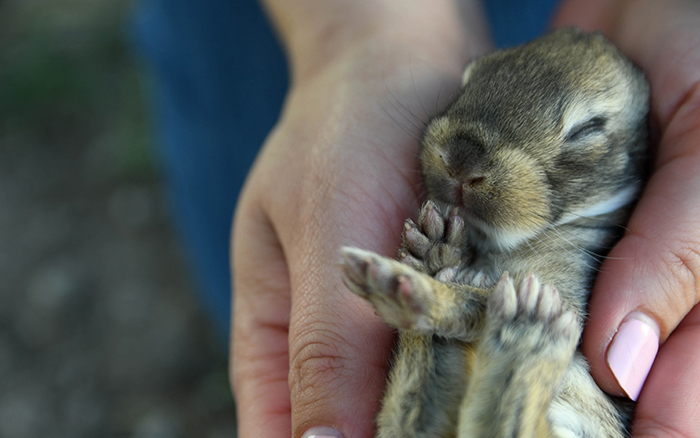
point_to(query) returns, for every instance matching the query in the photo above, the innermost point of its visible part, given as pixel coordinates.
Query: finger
(649, 278)
(339, 350)
(261, 306)
(338, 363)
(670, 405)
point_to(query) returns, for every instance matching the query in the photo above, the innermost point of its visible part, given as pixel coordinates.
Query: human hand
(340, 168)
(652, 276)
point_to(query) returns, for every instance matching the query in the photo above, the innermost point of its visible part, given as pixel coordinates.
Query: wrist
(318, 33)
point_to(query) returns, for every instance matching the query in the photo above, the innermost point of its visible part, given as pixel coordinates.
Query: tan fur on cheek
(432, 160)
(440, 131)
(522, 194)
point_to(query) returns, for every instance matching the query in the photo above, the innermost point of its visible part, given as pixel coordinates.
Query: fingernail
(322, 432)
(632, 353)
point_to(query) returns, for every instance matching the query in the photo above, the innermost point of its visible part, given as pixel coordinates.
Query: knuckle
(651, 427)
(684, 266)
(317, 365)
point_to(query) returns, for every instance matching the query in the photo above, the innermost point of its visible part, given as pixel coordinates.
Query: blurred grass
(67, 79)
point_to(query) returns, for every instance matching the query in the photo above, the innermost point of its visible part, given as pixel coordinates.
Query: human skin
(340, 168)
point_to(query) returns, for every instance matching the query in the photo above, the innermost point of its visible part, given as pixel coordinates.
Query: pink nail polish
(632, 354)
(322, 432)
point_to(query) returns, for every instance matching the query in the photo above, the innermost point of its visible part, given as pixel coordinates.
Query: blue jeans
(219, 78)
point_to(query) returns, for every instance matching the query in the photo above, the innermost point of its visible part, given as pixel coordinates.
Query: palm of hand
(341, 168)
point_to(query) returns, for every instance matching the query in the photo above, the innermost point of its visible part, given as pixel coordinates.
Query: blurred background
(100, 333)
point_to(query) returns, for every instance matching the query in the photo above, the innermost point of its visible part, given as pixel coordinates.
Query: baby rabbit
(532, 172)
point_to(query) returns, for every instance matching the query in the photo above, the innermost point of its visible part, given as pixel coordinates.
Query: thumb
(649, 282)
(646, 298)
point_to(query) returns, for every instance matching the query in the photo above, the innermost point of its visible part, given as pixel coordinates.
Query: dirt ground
(100, 333)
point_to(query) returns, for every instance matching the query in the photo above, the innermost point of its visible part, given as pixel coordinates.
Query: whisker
(414, 120)
(603, 222)
(597, 257)
(410, 132)
(537, 253)
(560, 247)
(410, 63)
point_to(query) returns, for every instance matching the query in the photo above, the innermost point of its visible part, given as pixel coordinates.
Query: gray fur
(532, 171)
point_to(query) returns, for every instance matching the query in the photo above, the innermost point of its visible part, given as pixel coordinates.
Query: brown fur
(532, 170)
